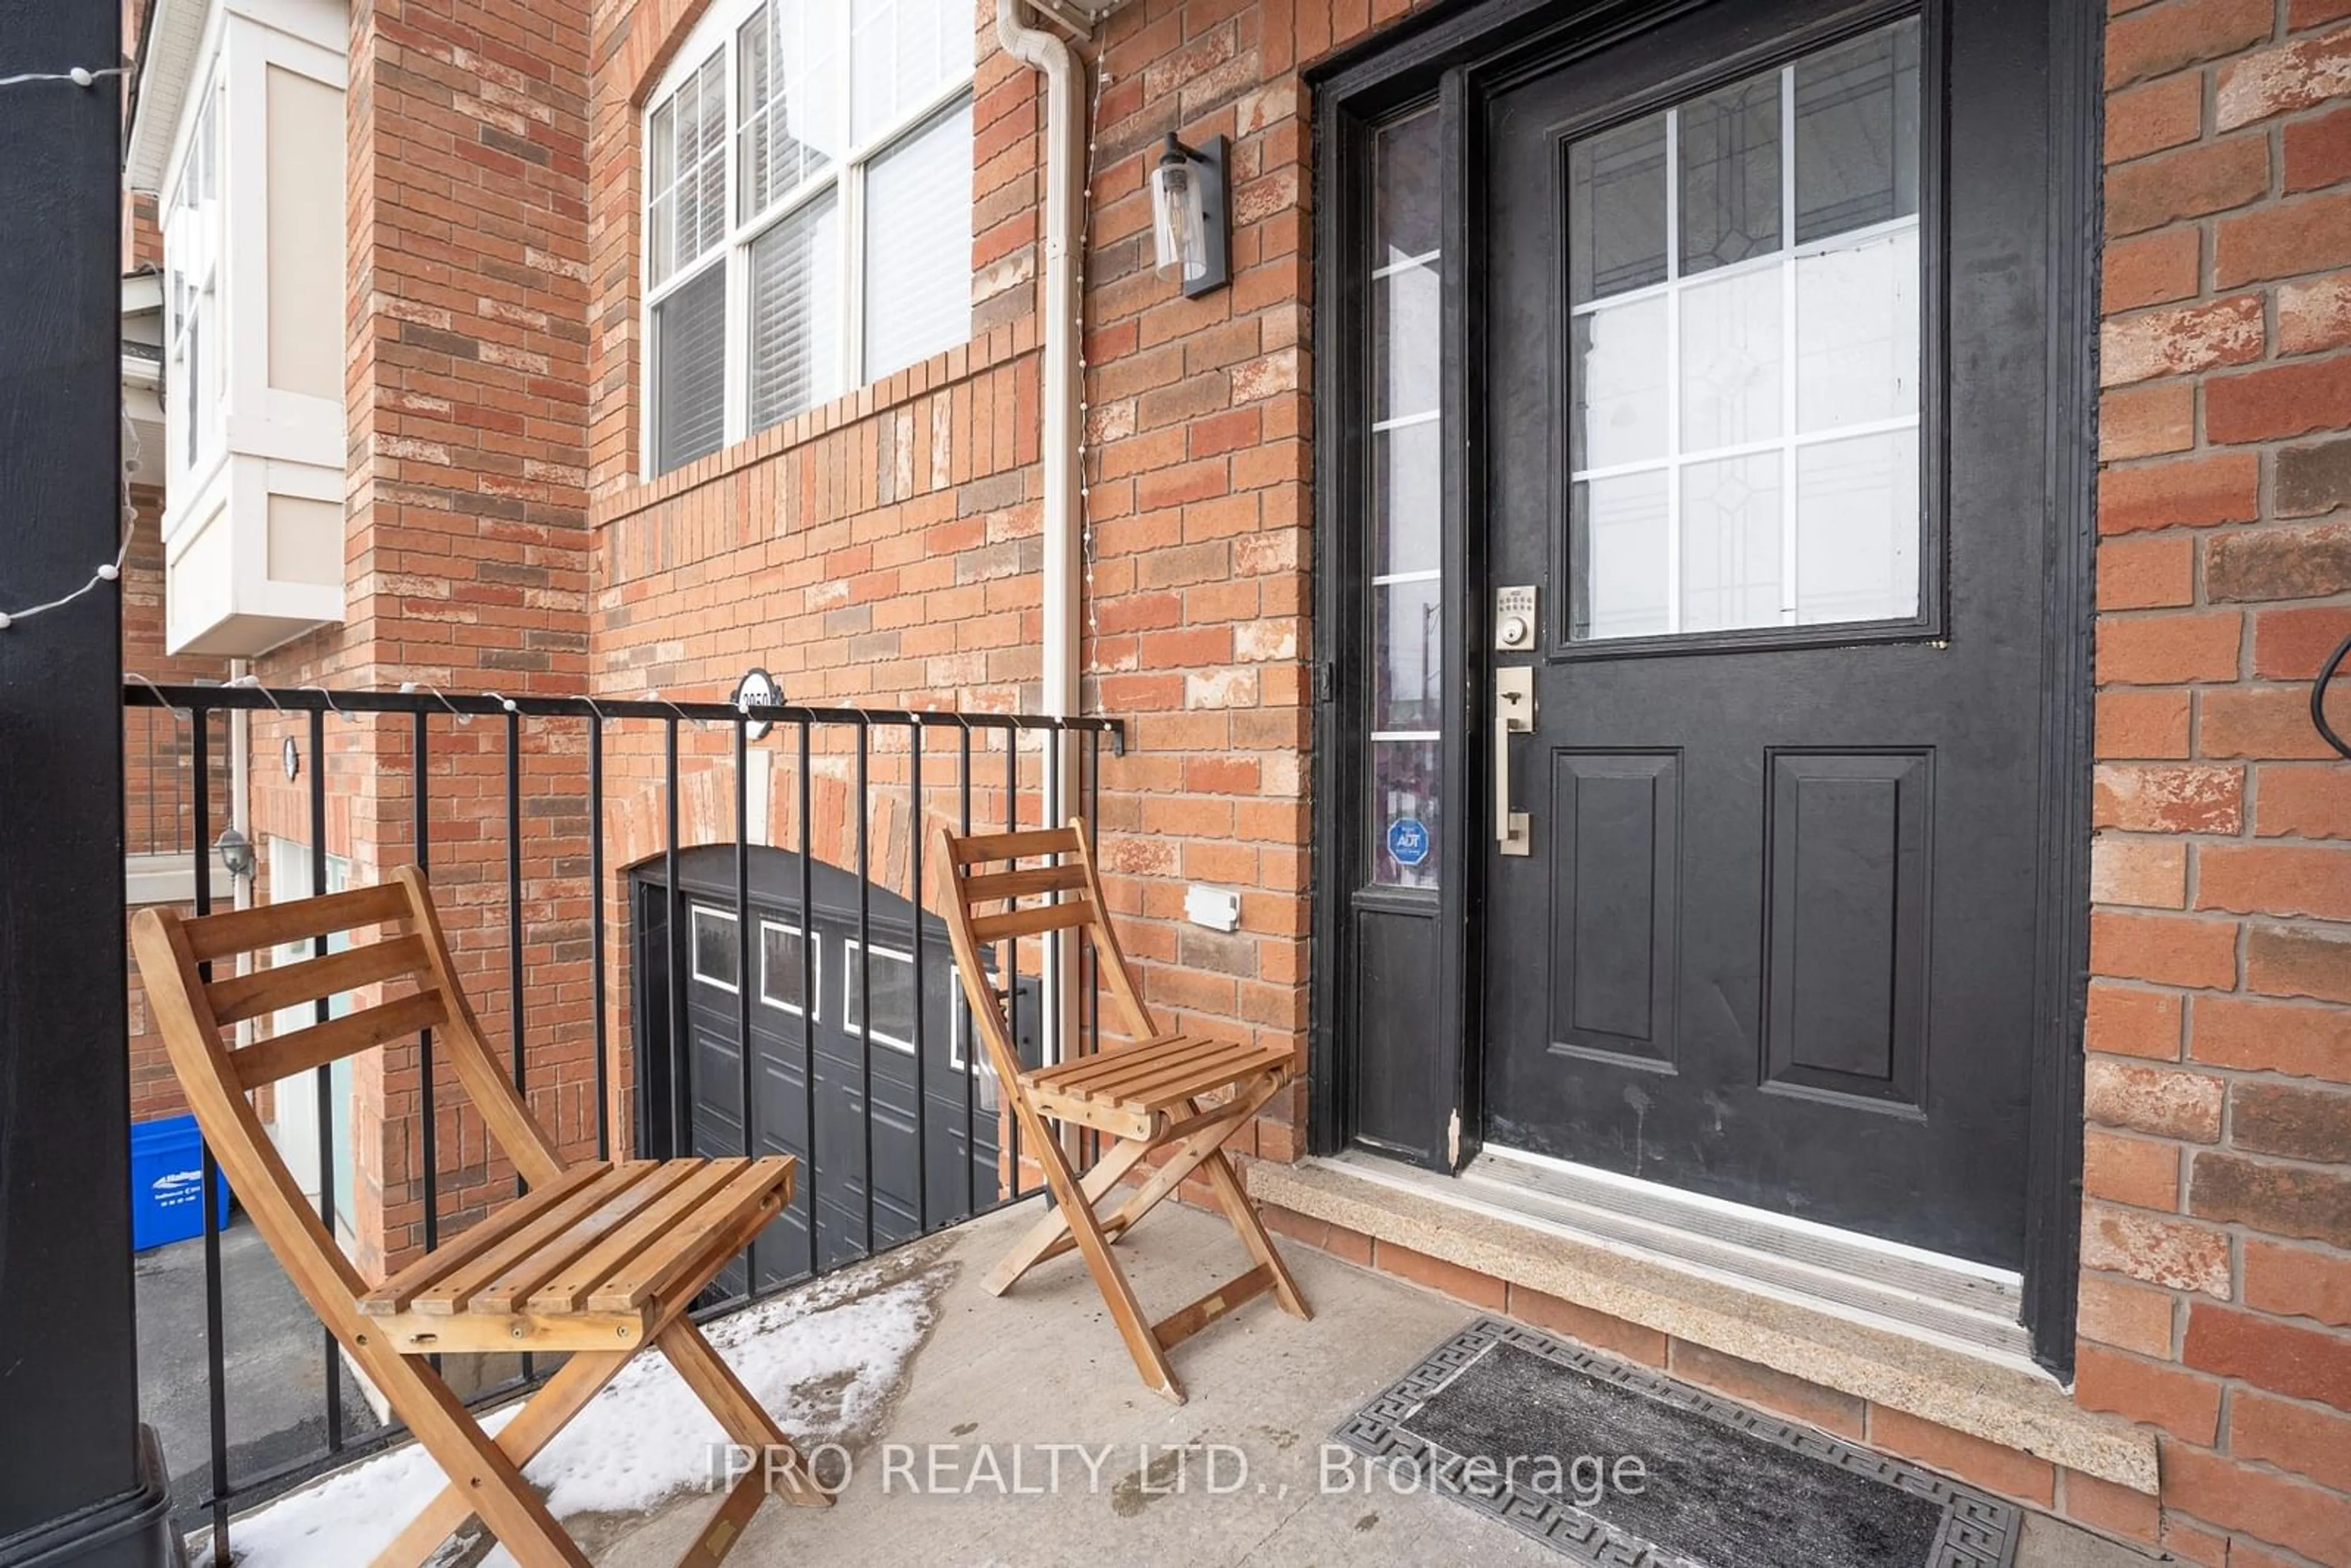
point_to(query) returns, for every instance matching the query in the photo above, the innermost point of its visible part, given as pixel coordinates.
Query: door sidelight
(1514, 714)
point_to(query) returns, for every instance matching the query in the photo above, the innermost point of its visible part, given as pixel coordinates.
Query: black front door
(1766, 393)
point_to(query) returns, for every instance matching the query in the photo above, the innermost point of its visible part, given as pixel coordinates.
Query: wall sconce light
(235, 852)
(1189, 216)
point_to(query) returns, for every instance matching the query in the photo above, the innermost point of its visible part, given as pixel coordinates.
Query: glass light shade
(1180, 219)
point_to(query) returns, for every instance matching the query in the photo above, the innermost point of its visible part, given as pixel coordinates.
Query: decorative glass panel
(1857, 332)
(918, 245)
(1620, 385)
(1850, 566)
(1623, 568)
(690, 376)
(1616, 211)
(1731, 338)
(1731, 543)
(1731, 174)
(796, 313)
(1405, 558)
(1857, 134)
(1743, 429)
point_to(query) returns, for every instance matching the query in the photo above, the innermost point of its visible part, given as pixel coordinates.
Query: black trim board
(1444, 52)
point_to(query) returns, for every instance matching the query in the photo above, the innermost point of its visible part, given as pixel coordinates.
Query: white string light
(81, 75)
(109, 571)
(1085, 402)
(409, 689)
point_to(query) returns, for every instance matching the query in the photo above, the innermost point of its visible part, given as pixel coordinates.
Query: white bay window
(808, 212)
(238, 130)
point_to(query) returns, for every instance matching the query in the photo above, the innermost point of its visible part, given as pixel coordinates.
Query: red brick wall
(2216, 1293)
(466, 539)
(886, 550)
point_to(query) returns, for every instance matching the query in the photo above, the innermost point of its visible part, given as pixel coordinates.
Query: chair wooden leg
(742, 1418)
(1207, 1133)
(566, 1393)
(475, 1463)
(717, 1537)
(1049, 1237)
(1086, 1231)
(1250, 1226)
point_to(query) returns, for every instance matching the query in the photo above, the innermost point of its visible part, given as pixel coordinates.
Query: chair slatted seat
(1177, 1096)
(600, 1259)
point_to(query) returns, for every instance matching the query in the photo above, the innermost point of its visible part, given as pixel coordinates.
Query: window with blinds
(813, 163)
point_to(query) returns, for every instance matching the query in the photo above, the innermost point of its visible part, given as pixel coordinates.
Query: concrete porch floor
(1043, 1366)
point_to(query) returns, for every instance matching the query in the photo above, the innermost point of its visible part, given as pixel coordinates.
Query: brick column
(466, 544)
(2217, 1223)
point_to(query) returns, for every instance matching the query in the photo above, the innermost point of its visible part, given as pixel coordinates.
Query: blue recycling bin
(167, 1183)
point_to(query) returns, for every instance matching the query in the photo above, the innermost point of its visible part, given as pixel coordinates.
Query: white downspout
(1065, 144)
(1059, 346)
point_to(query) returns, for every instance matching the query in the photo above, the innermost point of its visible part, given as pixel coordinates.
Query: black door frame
(1452, 55)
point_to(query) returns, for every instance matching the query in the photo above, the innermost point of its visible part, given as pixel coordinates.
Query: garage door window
(783, 967)
(892, 995)
(716, 961)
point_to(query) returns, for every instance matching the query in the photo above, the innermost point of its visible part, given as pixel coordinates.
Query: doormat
(1615, 1466)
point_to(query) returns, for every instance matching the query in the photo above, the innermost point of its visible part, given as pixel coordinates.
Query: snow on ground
(822, 1360)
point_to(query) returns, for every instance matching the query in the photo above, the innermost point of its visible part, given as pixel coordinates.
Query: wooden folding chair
(1173, 1093)
(598, 1260)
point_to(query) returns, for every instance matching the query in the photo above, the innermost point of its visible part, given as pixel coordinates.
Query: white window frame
(857, 1029)
(814, 969)
(695, 914)
(718, 34)
(195, 416)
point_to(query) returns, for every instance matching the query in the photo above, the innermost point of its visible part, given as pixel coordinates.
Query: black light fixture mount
(1191, 215)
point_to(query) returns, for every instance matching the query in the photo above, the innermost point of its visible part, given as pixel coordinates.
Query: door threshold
(1658, 1225)
(1497, 1228)
(1905, 1288)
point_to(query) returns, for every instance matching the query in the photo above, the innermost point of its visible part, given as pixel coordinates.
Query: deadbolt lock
(1514, 619)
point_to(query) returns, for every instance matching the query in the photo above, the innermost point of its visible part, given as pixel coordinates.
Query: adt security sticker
(1408, 842)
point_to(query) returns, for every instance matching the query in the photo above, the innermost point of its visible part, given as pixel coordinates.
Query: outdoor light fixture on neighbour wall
(235, 852)
(1188, 216)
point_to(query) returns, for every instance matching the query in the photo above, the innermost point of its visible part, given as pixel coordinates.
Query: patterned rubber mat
(1611, 1464)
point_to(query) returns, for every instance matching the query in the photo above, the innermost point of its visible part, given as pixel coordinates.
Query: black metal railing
(1065, 759)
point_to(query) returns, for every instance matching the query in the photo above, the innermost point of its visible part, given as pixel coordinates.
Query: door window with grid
(1744, 293)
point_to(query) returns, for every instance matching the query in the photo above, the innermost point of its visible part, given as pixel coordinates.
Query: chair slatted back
(219, 1077)
(987, 907)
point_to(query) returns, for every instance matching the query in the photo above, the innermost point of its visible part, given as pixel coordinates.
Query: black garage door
(933, 1158)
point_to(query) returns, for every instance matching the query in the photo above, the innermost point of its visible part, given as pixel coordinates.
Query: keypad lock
(1514, 619)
